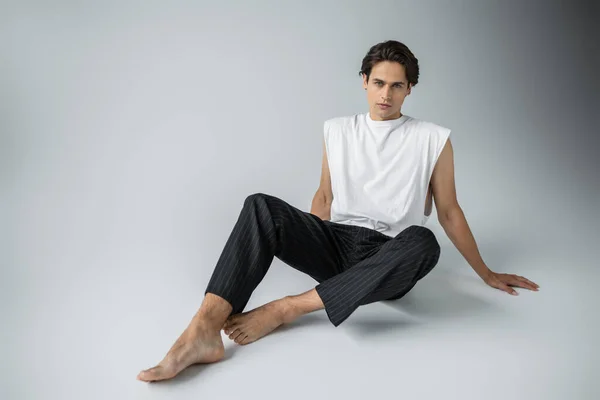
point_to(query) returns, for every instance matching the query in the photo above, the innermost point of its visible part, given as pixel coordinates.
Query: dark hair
(392, 50)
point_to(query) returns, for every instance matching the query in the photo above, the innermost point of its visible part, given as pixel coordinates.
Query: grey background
(131, 133)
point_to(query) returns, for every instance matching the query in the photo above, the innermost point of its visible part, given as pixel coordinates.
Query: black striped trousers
(353, 265)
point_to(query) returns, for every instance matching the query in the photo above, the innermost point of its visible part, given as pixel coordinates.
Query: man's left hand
(505, 281)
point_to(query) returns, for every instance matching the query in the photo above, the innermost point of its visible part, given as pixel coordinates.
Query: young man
(364, 239)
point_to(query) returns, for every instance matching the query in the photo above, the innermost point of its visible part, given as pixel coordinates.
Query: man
(364, 239)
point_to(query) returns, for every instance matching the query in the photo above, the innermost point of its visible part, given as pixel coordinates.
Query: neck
(375, 117)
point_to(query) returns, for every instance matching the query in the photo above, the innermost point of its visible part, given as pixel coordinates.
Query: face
(387, 85)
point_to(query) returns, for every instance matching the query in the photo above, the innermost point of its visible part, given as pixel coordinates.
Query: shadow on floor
(436, 298)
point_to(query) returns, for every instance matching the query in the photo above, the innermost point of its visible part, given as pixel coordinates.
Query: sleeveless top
(381, 170)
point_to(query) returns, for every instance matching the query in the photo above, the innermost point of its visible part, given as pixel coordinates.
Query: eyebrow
(380, 80)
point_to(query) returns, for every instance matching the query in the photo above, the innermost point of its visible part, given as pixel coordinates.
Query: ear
(409, 89)
(365, 81)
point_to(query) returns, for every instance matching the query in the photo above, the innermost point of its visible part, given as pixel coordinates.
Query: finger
(530, 282)
(514, 280)
(498, 284)
(525, 283)
(508, 289)
(523, 279)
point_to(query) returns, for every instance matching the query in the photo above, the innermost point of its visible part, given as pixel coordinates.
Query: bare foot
(250, 326)
(196, 345)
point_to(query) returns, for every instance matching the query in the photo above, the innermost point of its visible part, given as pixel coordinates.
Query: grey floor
(131, 132)
(87, 335)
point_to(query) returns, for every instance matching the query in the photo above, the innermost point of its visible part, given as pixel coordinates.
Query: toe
(242, 339)
(231, 325)
(234, 334)
(245, 341)
(149, 374)
(230, 329)
(237, 335)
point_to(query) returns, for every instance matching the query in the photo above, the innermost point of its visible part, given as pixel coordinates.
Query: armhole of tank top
(326, 137)
(444, 138)
(330, 158)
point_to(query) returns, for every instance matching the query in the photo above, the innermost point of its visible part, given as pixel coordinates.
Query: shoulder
(344, 121)
(429, 127)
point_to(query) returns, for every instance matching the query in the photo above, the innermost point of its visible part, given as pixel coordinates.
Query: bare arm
(452, 219)
(450, 214)
(320, 207)
(321, 204)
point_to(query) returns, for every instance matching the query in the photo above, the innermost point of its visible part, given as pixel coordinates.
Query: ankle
(207, 322)
(288, 308)
(213, 313)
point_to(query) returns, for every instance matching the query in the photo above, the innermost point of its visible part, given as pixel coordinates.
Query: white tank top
(381, 170)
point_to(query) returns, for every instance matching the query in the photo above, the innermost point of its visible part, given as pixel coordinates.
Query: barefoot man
(364, 239)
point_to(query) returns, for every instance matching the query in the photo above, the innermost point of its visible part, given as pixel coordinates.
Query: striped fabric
(353, 265)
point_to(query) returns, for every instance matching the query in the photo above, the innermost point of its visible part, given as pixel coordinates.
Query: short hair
(392, 50)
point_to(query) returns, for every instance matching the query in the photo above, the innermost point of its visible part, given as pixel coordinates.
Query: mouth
(383, 105)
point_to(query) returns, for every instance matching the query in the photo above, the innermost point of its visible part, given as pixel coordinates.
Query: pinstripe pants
(353, 265)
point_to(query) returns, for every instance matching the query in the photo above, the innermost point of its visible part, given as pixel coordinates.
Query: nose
(385, 96)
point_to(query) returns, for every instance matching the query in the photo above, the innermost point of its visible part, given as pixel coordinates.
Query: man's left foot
(252, 325)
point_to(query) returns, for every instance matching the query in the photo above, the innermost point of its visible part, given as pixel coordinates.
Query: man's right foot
(196, 345)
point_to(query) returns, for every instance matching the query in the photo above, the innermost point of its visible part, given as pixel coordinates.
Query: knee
(420, 232)
(262, 204)
(254, 198)
(423, 236)
(419, 229)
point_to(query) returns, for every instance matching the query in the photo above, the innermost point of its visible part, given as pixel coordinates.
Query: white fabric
(380, 170)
